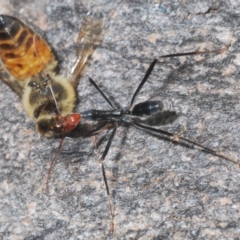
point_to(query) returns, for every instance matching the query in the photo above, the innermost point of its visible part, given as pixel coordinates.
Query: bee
(28, 68)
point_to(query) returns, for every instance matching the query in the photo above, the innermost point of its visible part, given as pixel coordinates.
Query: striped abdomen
(23, 52)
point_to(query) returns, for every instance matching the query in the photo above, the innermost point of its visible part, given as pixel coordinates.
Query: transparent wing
(89, 37)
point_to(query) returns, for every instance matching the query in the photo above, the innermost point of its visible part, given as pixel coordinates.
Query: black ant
(143, 116)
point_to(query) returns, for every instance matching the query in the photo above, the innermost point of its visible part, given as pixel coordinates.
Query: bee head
(57, 126)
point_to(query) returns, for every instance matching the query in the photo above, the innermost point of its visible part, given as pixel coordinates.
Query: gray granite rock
(160, 190)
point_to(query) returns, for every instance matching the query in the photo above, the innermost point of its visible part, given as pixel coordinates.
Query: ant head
(70, 122)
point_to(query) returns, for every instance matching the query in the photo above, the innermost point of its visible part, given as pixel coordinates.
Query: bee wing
(23, 53)
(11, 82)
(89, 37)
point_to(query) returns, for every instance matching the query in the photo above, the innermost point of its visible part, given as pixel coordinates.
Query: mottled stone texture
(160, 190)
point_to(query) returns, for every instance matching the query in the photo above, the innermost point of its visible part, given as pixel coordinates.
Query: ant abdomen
(147, 108)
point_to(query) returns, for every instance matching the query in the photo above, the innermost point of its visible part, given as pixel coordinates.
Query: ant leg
(104, 155)
(104, 175)
(146, 76)
(99, 90)
(195, 53)
(150, 68)
(183, 141)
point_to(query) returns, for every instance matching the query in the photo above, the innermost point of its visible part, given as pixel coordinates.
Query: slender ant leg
(150, 68)
(99, 90)
(105, 178)
(181, 140)
(105, 154)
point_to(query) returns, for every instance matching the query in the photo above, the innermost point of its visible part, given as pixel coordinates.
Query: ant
(143, 116)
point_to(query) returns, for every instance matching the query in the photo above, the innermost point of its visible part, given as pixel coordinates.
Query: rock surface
(160, 190)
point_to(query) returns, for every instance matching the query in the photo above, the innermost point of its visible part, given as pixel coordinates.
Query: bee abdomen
(23, 52)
